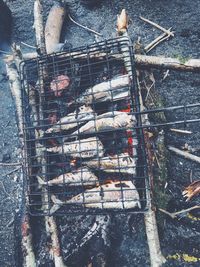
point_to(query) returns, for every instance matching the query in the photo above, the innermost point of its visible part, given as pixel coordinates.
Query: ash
(128, 240)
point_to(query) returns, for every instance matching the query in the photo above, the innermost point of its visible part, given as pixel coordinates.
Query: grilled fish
(114, 89)
(85, 148)
(108, 121)
(72, 120)
(122, 163)
(115, 195)
(82, 176)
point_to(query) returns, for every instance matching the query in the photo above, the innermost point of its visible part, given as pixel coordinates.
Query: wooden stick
(54, 26)
(184, 154)
(50, 223)
(157, 26)
(167, 63)
(27, 249)
(158, 62)
(173, 215)
(14, 79)
(15, 87)
(55, 243)
(156, 256)
(38, 26)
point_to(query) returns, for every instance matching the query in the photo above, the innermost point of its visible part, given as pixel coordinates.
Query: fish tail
(42, 133)
(53, 149)
(139, 204)
(50, 130)
(41, 181)
(57, 204)
(55, 200)
(54, 208)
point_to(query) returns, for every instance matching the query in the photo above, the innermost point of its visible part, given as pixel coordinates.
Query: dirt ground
(177, 237)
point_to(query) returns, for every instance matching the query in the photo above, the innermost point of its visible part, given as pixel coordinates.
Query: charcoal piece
(6, 158)
(91, 2)
(5, 25)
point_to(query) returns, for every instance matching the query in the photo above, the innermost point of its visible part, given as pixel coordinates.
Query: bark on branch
(156, 256)
(54, 26)
(38, 26)
(15, 85)
(142, 61)
(184, 154)
(50, 223)
(167, 63)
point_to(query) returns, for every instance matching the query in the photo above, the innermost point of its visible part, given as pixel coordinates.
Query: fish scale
(80, 177)
(114, 89)
(110, 120)
(72, 120)
(85, 148)
(116, 195)
(122, 163)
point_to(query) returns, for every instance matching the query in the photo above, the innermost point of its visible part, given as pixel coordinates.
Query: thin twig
(84, 27)
(4, 52)
(191, 176)
(166, 74)
(10, 164)
(148, 90)
(28, 45)
(158, 42)
(11, 172)
(156, 157)
(180, 131)
(11, 222)
(4, 189)
(173, 215)
(155, 41)
(158, 26)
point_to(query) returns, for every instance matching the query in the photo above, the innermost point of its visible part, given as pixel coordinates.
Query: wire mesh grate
(85, 147)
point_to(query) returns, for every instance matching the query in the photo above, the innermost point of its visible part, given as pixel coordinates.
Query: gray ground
(183, 16)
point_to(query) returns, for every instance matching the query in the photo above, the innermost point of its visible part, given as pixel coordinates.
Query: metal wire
(98, 158)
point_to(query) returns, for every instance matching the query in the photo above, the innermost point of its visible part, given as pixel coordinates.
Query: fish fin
(50, 149)
(54, 149)
(55, 200)
(41, 181)
(139, 204)
(57, 204)
(49, 131)
(54, 208)
(42, 133)
(74, 133)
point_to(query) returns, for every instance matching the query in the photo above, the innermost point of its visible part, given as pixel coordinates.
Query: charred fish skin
(107, 121)
(80, 177)
(72, 120)
(122, 163)
(107, 90)
(84, 148)
(115, 195)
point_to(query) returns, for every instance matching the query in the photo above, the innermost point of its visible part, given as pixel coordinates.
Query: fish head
(85, 108)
